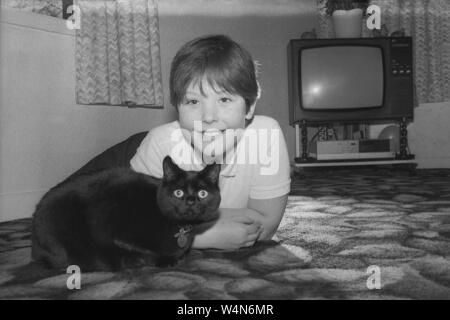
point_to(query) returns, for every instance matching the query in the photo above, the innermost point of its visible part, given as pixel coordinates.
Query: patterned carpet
(337, 224)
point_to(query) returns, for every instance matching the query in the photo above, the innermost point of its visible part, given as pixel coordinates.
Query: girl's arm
(268, 212)
(238, 228)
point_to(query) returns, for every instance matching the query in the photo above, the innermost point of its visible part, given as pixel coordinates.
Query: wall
(45, 135)
(428, 135)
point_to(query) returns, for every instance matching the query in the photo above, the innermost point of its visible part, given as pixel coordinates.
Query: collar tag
(182, 235)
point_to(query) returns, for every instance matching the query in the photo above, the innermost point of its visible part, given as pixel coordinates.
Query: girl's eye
(191, 102)
(178, 193)
(202, 194)
(225, 100)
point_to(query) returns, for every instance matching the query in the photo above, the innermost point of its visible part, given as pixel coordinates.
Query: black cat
(118, 217)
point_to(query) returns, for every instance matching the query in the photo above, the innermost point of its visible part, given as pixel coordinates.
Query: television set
(348, 80)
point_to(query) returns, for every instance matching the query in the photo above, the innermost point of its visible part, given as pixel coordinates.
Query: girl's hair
(224, 64)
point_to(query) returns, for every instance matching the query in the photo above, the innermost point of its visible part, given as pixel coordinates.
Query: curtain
(117, 53)
(428, 23)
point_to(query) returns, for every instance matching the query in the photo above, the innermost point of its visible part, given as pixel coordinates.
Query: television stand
(402, 160)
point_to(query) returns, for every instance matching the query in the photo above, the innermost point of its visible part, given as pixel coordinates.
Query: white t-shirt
(258, 169)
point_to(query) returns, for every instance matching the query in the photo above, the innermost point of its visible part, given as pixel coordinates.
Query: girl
(213, 86)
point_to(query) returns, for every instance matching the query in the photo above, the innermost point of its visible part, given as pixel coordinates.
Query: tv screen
(341, 77)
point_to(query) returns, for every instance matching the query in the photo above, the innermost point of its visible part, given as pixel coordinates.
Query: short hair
(222, 61)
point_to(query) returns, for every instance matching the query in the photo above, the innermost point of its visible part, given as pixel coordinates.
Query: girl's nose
(209, 113)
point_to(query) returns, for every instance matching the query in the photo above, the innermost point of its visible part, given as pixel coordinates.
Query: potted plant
(347, 16)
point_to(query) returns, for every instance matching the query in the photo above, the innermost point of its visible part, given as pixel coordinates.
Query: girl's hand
(229, 233)
(239, 232)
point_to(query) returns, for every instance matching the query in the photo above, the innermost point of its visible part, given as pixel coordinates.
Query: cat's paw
(163, 262)
(132, 262)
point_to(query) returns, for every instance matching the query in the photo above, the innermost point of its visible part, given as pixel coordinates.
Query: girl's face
(211, 118)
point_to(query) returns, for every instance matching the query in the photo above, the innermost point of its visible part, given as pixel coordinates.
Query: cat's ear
(211, 172)
(170, 169)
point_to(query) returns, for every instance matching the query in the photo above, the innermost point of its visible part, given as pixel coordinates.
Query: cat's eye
(202, 194)
(178, 193)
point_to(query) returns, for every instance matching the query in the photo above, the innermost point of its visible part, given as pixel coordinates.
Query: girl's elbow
(268, 233)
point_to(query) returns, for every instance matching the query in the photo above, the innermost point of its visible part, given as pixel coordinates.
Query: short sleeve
(271, 176)
(148, 158)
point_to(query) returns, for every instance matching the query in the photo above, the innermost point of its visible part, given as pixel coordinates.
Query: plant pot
(347, 23)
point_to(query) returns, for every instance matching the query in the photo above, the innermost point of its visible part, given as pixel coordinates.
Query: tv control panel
(401, 59)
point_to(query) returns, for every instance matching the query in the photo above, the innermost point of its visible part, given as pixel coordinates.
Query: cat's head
(189, 196)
